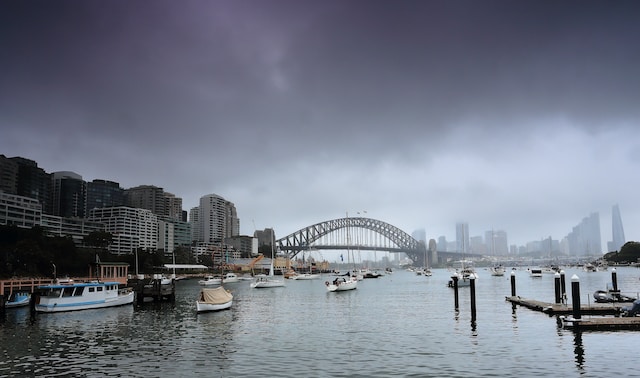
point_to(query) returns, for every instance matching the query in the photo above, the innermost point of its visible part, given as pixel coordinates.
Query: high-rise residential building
(69, 195)
(103, 193)
(617, 231)
(23, 177)
(194, 222)
(462, 237)
(161, 203)
(132, 228)
(75, 228)
(217, 219)
(8, 175)
(173, 206)
(147, 197)
(19, 211)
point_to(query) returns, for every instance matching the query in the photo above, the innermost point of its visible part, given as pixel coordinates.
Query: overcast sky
(519, 116)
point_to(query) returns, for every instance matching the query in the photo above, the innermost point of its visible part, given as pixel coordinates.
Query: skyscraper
(462, 237)
(617, 231)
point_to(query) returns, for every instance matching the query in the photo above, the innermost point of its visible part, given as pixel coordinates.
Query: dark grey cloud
(423, 113)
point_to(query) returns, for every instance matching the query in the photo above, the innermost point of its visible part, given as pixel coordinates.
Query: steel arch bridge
(347, 234)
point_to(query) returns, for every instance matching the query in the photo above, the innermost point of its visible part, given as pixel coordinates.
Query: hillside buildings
(142, 217)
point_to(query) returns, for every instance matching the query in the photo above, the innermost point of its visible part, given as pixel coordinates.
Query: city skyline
(584, 238)
(510, 116)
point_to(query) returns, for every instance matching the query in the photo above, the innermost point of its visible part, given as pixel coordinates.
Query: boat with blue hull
(18, 300)
(74, 296)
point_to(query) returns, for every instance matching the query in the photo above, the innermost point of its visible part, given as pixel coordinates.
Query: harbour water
(399, 325)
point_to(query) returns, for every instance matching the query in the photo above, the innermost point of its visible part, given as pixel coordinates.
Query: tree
(629, 253)
(98, 239)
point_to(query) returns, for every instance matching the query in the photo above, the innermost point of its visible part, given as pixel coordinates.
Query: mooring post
(575, 296)
(563, 287)
(614, 279)
(472, 286)
(513, 283)
(455, 292)
(557, 286)
(2, 304)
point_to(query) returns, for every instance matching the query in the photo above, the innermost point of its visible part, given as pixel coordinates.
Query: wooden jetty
(614, 308)
(602, 323)
(153, 288)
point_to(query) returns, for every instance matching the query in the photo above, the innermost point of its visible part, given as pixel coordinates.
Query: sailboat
(348, 281)
(496, 270)
(306, 276)
(264, 281)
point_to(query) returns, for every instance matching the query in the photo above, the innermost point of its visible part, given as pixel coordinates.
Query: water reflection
(578, 349)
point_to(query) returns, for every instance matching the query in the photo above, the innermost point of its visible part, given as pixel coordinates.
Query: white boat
(464, 275)
(230, 278)
(305, 276)
(427, 272)
(264, 281)
(210, 281)
(214, 299)
(497, 270)
(535, 272)
(19, 299)
(342, 283)
(73, 296)
(589, 267)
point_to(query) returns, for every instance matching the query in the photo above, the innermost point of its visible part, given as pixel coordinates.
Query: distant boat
(497, 270)
(305, 276)
(264, 281)
(214, 299)
(464, 274)
(18, 299)
(342, 283)
(230, 278)
(210, 281)
(535, 273)
(71, 296)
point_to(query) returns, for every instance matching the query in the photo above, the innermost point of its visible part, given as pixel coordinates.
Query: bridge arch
(303, 239)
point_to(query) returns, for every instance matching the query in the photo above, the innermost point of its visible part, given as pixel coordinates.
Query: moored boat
(535, 272)
(264, 281)
(73, 296)
(214, 299)
(497, 270)
(210, 281)
(230, 278)
(464, 275)
(19, 299)
(342, 283)
(305, 276)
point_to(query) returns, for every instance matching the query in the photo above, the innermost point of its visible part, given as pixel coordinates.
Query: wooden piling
(472, 287)
(557, 287)
(614, 279)
(513, 283)
(575, 296)
(563, 287)
(455, 292)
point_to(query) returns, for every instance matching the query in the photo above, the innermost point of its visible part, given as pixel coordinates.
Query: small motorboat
(19, 299)
(210, 281)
